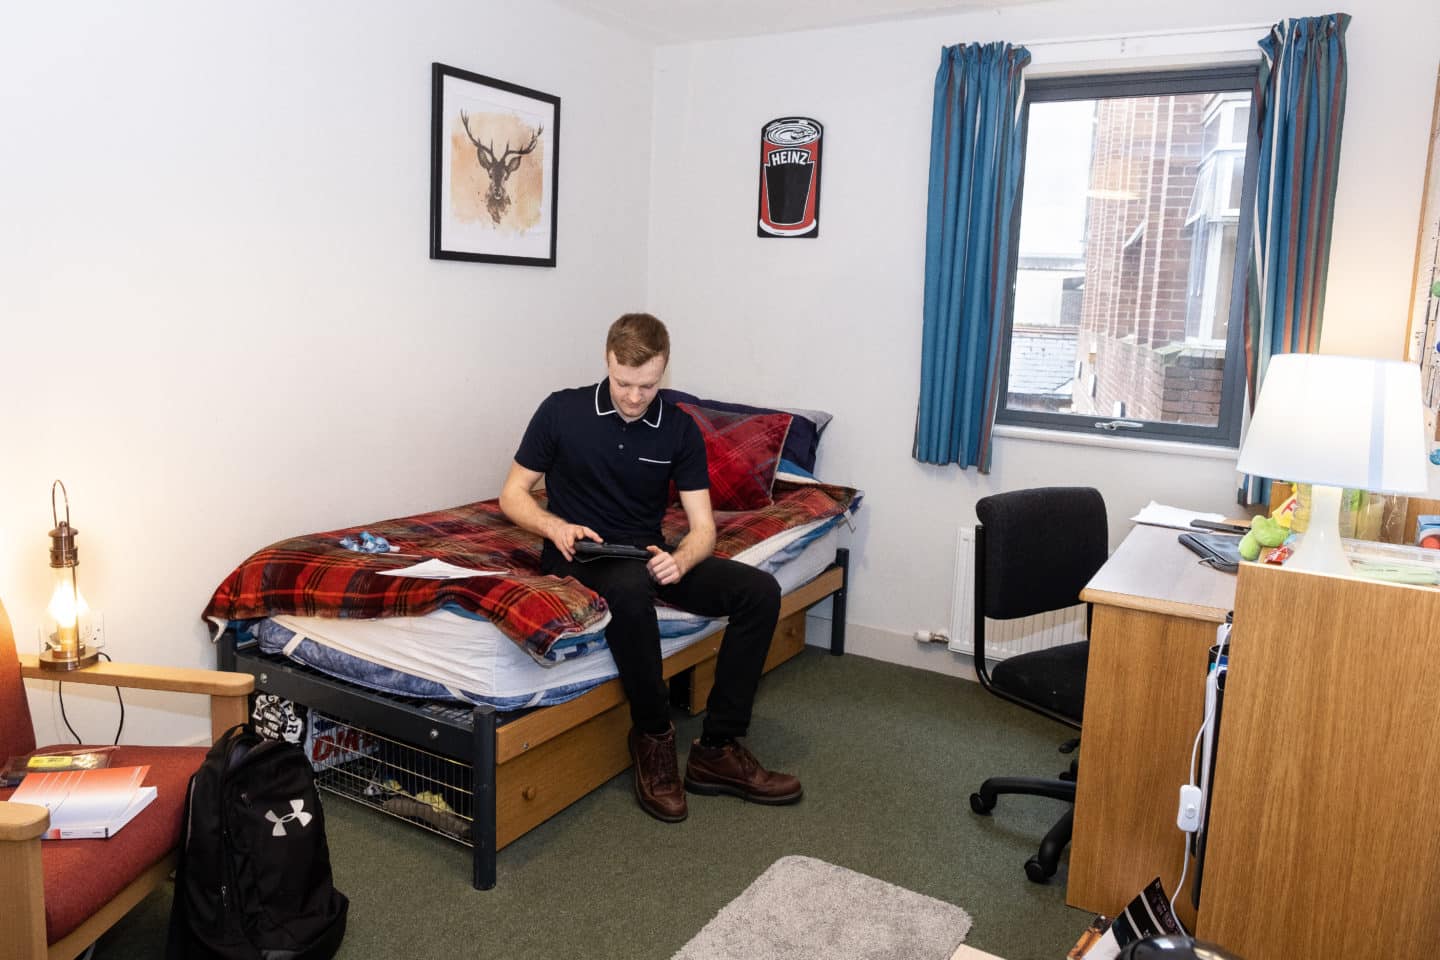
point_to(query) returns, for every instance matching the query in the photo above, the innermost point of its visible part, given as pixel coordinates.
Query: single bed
(530, 719)
(449, 655)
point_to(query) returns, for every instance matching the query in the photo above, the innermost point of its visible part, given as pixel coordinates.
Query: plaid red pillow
(743, 453)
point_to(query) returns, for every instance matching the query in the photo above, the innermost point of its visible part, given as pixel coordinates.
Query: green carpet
(888, 754)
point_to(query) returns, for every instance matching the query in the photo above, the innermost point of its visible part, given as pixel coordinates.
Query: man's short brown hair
(637, 338)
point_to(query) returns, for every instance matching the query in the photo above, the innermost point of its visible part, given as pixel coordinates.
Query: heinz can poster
(790, 178)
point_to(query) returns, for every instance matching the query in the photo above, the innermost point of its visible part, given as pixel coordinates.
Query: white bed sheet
(462, 653)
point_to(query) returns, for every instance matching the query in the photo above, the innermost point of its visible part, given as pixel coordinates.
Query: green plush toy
(1264, 532)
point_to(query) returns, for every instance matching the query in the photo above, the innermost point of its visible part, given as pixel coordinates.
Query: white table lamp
(1336, 422)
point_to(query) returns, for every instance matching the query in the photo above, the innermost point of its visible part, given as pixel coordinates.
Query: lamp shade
(1354, 422)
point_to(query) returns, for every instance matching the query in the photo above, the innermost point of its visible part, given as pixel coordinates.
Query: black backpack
(254, 877)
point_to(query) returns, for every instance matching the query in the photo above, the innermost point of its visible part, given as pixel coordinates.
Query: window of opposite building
(1128, 254)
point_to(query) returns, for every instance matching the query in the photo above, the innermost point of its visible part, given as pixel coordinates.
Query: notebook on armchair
(87, 803)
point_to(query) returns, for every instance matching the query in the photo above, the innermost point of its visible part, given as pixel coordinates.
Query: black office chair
(1034, 552)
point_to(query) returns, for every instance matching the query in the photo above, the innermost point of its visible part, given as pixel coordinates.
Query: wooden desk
(1155, 614)
(1327, 779)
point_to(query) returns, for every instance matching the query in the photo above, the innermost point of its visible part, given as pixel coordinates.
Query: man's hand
(564, 535)
(663, 567)
(694, 547)
(521, 509)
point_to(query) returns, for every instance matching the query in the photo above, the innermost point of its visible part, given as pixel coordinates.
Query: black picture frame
(491, 203)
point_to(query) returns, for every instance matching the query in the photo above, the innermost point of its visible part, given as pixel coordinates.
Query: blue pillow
(801, 443)
(793, 468)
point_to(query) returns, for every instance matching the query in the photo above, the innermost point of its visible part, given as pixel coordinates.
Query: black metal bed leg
(837, 609)
(483, 826)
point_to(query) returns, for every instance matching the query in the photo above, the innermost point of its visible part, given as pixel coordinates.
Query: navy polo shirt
(609, 475)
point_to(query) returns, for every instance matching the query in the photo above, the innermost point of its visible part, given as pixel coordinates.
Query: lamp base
(1320, 549)
(50, 660)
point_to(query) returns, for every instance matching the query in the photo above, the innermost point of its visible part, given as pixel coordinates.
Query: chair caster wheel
(1036, 871)
(978, 804)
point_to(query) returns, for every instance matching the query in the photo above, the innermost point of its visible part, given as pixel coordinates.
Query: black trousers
(714, 588)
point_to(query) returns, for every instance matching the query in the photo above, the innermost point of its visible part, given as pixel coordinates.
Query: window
(1129, 249)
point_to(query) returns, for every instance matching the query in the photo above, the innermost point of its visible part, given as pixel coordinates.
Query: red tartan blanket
(314, 576)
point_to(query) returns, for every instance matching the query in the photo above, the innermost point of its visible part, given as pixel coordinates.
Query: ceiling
(686, 21)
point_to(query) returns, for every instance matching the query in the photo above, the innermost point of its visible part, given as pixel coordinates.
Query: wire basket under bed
(433, 792)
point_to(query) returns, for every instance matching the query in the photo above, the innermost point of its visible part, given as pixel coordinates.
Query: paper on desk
(433, 569)
(1159, 515)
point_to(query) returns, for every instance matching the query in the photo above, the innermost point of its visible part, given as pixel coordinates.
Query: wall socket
(92, 630)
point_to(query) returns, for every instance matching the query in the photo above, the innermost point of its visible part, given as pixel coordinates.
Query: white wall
(835, 322)
(220, 323)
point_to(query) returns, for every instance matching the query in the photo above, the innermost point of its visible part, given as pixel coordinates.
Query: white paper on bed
(468, 654)
(436, 569)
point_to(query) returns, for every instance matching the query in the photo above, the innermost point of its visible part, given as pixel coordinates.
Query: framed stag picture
(494, 165)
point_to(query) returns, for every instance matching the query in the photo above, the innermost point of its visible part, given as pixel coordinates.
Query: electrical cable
(119, 699)
(1221, 655)
(60, 690)
(1185, 844)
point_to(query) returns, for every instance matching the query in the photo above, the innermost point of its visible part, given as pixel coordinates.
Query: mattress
(453, 655)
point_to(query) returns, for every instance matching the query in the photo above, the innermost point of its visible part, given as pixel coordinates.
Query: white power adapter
(1187, 818)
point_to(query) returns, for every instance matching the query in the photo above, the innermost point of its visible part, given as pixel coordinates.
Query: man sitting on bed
(608, 453)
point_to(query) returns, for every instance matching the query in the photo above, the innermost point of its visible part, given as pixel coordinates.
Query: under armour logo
(297, 812)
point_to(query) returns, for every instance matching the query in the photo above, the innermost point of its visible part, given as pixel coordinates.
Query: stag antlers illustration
(497, 199)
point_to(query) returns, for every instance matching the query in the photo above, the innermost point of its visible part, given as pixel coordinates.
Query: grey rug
(801, 908)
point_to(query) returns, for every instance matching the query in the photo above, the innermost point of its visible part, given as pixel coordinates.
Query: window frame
(1213, 79)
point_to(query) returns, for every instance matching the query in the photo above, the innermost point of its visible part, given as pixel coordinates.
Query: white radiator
(1003, 638)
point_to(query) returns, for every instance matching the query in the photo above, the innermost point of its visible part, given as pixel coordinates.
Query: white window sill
(1115, 441)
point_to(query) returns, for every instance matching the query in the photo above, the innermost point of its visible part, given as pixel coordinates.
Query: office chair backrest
(17, 735)
(1039, 548)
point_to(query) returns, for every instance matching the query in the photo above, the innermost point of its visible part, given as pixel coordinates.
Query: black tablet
(590, 550)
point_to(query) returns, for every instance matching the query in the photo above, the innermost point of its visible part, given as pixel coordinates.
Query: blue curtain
(1299, 112)
(974, 171)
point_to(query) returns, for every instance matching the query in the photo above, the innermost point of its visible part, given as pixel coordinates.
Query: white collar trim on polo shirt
(658, 404)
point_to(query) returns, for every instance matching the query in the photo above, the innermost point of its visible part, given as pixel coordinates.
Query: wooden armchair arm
(146, 677)
(22, 879)
(229, 692)
(22, 821)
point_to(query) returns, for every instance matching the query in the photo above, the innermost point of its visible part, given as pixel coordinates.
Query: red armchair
(61, 895)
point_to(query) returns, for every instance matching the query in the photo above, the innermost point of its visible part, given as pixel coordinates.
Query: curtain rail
(1153, 34)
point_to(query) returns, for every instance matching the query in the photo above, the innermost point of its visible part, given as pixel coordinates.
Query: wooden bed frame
(528, 766)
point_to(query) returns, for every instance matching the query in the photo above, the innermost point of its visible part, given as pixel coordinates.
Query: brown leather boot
(732, 769)
(657, 775)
